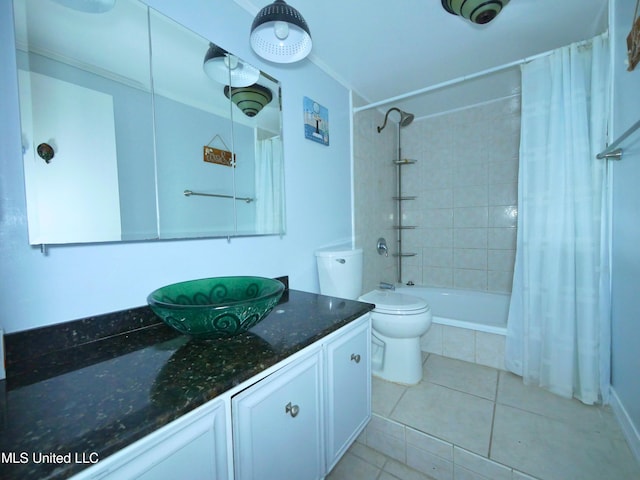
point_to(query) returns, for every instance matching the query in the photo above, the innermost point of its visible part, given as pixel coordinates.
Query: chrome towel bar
(188, 193)
(612, 152)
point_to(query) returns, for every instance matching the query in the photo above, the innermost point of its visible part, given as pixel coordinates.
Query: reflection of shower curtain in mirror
(269, 186)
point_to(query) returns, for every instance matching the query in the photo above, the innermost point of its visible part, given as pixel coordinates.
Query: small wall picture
(316, 121)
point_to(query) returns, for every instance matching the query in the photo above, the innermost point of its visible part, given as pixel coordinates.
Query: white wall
(626, 226)
(75, 281)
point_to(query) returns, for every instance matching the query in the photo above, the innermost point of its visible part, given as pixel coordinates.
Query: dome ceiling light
(280, 34)
(225, 68)
(477, 11)
(249, 99)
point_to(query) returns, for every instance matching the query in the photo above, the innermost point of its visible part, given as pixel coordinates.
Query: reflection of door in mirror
(89, 92)
(76, 192)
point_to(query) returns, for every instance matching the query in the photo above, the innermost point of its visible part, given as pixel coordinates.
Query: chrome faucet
(387, 286)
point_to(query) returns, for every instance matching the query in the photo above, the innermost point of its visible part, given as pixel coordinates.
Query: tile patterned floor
(469, 422)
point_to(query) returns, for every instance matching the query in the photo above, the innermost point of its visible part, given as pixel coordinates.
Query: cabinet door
(348, 389)
(277, 425)
(192, 447)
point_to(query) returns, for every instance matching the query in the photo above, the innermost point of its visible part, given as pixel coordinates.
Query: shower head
(405, 118)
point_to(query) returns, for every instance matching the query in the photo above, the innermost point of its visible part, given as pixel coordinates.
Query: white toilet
(398, 320)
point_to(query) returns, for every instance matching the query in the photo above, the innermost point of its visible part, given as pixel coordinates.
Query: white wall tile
(458, 343)
(490, 350)
(471, 258)
(470, 279)
(432, 340)
(470, 238)
(437, 257)
(465, 181)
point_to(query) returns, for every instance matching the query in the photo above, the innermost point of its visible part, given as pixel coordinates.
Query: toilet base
(401, 361)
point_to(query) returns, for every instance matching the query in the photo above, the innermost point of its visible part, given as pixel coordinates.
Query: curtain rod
(463, 78)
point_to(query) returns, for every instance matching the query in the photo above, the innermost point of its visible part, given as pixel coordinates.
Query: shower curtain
(558, 334)
(269, 185)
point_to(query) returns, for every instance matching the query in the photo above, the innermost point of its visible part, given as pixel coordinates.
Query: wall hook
(45, 151)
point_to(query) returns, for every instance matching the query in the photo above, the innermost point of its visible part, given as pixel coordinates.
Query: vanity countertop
(73, 397)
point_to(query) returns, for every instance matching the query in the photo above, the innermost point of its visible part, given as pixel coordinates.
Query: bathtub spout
(387, 286)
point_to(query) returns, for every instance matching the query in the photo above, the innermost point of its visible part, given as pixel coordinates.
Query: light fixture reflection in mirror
(249, 99)
(227, 69)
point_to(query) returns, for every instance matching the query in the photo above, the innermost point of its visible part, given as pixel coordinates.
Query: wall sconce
(477, 11)
(227, 69)
(280, 34)
(249, 99)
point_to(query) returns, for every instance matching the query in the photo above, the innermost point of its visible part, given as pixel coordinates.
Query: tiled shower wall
(374, 187)
(465, 181)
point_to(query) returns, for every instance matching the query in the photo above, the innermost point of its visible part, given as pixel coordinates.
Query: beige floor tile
(513, 392)
(534, 431)
(555, 450)
(351, 467)
(367, 454)
(385, 396)
(402, 471)
(448, 414)
(463, 376)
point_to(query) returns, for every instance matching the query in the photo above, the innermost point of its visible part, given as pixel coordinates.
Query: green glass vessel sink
(216, 307)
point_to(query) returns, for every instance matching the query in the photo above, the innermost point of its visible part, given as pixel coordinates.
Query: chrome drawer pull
(355, 357)
(292, 410)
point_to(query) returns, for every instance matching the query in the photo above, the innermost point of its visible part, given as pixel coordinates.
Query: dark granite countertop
(90, 387)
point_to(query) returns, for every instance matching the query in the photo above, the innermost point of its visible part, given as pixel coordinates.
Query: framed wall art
(316, 121)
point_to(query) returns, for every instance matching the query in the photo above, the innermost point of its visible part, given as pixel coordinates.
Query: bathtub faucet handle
(382, 247)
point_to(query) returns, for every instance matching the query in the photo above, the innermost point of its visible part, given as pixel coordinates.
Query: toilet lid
(388, 301)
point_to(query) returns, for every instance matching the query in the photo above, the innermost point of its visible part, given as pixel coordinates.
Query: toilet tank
(340, 272)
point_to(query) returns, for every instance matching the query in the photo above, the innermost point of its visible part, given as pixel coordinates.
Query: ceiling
(382, 49)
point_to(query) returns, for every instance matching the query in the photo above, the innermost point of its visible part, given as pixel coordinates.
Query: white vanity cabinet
(294, 420)
(277, 425)
(298, 422)
(194, 446)
(348, 390)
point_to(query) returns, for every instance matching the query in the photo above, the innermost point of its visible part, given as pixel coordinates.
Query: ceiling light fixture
(249, 99)
(477, 11)
(227, 69)
(280, 34)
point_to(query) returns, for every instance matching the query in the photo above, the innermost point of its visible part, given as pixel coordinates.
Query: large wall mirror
(127, 134)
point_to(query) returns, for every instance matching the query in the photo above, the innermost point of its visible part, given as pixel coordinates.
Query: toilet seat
(390, 302)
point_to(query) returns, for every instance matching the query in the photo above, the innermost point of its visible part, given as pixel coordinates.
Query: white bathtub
(470, 309)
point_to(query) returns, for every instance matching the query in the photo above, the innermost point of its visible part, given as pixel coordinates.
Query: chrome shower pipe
(405, 119)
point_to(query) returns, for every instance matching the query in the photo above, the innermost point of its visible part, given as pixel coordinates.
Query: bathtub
(470, 309)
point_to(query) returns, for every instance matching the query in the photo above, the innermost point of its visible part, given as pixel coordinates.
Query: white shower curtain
(558, 334)
(269, 186)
